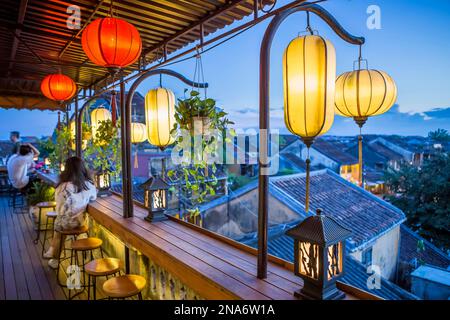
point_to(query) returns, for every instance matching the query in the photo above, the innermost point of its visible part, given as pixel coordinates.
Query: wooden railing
(184, 261)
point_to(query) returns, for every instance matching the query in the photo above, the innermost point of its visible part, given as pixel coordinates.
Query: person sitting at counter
(19, 164)
(73, 193)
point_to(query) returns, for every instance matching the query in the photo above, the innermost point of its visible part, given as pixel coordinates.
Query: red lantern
(58, 87)
(111, 42)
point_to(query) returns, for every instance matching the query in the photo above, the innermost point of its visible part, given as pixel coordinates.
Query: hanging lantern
(138, 135)
(73, 135)
(97, 116)
(155, 198)
(319, 247)
(361, 94)
(364, 93)
(103, 182)
(138, 132)
(160, 116)
(309, 73)
(58, 87)
(111, 42)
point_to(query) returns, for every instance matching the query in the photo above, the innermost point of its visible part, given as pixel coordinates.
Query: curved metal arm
(264, 122)
(130, 94)
(127, 184)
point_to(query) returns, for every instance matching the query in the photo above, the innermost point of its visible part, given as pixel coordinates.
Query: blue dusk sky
(412, 45)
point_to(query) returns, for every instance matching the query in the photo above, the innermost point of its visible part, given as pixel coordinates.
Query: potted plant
(58, 148)
(103, 151)
(200, 117)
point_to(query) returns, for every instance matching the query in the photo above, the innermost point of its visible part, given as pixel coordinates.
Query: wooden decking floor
(24, 274)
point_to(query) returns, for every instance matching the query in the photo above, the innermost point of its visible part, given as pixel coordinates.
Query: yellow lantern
(138, 132)
(138, 135)
(160, 116)
(361, 94)
(73, 137)
(98, 115)
(309, 73)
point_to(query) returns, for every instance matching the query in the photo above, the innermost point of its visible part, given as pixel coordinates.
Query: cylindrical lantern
(160, 116)
(98, 115)
(361, 94)
(138, 135)
(111, 42)
(73, 134)
(58, 87)
(138, 132)
(309, 73)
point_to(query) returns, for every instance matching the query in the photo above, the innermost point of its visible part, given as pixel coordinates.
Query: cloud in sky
(392, 122)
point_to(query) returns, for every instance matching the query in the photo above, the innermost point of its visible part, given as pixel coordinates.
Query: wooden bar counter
(213, 266)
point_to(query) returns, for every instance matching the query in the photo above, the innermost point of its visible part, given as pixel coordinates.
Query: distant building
(375, 223)
(356, 274)
(431, 283)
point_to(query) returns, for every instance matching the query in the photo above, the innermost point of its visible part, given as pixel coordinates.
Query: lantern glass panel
(159, 199)
(308, 256)
(334, 253)
(103, 180)
(147, 198)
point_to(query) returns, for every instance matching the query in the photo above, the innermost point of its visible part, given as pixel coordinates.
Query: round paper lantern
(160, 116)
(309, 73)
(58, 87)
(361, 94)
(364, 93)
(98, 115)
(111, 42)
(138, 132)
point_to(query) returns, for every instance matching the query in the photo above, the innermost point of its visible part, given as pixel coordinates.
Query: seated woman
(74, 191)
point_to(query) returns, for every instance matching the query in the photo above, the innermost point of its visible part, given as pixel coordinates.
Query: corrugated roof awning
(35, 39)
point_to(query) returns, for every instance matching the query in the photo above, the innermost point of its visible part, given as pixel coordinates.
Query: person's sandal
(53, 263)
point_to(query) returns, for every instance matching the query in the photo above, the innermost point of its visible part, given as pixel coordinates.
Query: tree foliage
(423, 193)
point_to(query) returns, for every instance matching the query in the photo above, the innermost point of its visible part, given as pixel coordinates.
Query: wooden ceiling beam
(15, 45)
(76, 35)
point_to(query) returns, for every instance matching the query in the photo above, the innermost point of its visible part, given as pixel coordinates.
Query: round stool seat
(51, 214)
(124, 286)
(86, 244)
(46, 205)
(74, 232)
(102, 267)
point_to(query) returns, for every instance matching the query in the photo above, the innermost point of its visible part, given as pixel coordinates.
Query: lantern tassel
(360, 158)
(308, 163)
(113, 108)
(136, 162)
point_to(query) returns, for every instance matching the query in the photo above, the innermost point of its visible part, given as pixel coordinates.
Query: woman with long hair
(74, 192)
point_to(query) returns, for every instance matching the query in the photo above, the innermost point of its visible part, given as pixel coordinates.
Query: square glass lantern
(155, 198)
(103, 182)
(319, 246)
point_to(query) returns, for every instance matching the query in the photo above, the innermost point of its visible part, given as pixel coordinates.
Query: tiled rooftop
(365, 214)
(409, 253)
(282, 246)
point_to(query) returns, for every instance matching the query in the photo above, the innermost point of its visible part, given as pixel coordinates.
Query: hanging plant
(59, 147)
(103, 151)
(199, 117)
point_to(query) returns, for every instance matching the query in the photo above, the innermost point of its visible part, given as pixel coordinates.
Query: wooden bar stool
(62, 245)
(100, 268)
(125, 286)
(84, 246)
(50, 215)
(40, 206)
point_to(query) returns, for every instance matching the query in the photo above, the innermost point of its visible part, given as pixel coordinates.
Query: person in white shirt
(74, 192)
(19, 164)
